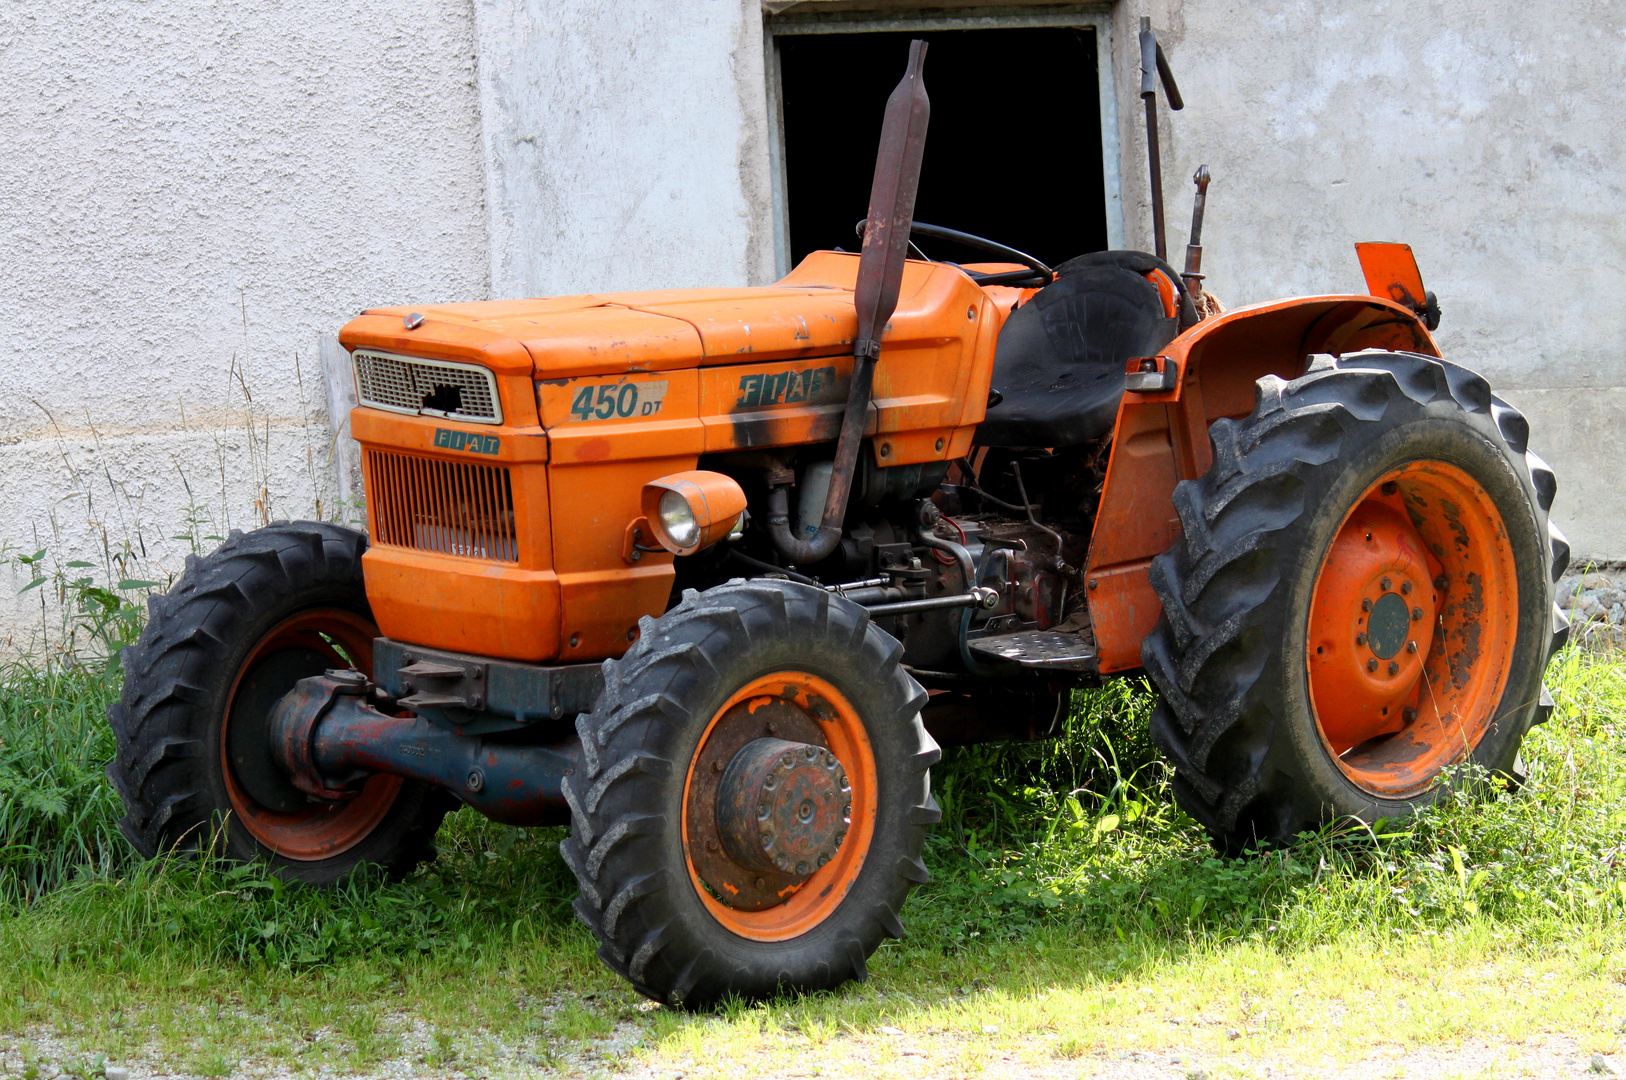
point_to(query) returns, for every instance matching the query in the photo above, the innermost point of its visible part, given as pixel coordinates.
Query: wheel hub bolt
(1360, 639)
(1394, 668)
(1411, 646)
(1408, 714)
(1416, 614)
(1372, 664)
(1384, 584)
(1366, 604)
(783, 806)
(1405, 588)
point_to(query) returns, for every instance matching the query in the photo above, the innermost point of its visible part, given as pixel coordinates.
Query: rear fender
(1161, 437)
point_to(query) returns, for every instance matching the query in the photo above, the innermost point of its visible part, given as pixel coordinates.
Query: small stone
(990, 1029)
(887, 1029)
(117, 1072)
(1596, 580)
(1232, 1033)
(1599, 1065)
(1617, 615)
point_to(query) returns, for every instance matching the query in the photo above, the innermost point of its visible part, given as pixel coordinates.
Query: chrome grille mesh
(433, 387)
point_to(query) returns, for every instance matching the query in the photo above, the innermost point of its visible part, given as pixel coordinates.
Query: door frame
(1097, 17)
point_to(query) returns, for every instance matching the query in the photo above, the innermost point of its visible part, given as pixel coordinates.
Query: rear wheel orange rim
(1412, 627)
(840, 728)
(321, 830)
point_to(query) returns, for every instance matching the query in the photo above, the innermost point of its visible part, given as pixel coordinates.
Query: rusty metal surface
(783, 806)
(740, 887)
(1192, 275)
(880, 275)
(1056, 650)
(329, 741)
(474, 695)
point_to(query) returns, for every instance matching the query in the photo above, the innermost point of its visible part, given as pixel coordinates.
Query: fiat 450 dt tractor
(709, 575)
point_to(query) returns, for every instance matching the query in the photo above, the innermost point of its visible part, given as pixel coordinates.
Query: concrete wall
(196, 195)
(1487, 136)
(192, 196)
(627, 145)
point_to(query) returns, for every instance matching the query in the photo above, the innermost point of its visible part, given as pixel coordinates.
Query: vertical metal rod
(1193, 274)
(1148, 94)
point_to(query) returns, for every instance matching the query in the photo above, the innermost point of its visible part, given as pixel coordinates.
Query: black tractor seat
(1059, 363)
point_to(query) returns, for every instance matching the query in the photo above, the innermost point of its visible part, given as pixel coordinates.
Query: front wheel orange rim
(797, 705)
(320, 830)
(1412, 625)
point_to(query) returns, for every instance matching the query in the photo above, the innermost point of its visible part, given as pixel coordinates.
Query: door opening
(1013, 150)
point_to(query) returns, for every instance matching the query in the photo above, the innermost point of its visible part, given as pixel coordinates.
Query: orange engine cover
(508, 539)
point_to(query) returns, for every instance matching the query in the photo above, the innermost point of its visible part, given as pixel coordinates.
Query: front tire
(676, 909)
(1363, 597)
(193, 768)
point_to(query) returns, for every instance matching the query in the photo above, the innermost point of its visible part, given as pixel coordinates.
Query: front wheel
(753, 796)
(1363, 597)
(194, 767)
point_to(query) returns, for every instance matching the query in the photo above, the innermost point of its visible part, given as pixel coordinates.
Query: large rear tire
(243, 624)
(665, 885)
(1363, 598)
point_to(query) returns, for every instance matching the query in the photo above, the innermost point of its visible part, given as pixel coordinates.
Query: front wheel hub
(783, 806)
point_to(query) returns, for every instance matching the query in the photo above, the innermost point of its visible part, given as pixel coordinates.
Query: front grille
(448, 507)
(433, 387)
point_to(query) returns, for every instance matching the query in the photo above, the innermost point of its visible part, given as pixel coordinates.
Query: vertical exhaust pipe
(1154, 66)
(880, 276)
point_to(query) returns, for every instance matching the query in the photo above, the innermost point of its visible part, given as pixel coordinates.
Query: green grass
(1073, 910)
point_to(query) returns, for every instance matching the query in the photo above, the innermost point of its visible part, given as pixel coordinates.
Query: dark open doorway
(1013, 152)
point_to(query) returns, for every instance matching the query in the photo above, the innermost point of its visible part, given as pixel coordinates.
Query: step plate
(1053, 649)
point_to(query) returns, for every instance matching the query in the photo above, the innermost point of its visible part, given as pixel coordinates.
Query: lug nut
(1394, 668)
(1405, 588)
(1360, 639)
(1416, 614)
(1411, 646)
(1441, 582)
(1366, 605)
(1372, 664)
(1408, 715)
(1384, 584)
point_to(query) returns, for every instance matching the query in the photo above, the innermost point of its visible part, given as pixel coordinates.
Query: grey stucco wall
(1488, 136)
(195, 196)
(192, 196)
(627, 145)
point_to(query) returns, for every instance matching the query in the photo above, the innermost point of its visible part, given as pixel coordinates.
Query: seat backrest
(1059, 364)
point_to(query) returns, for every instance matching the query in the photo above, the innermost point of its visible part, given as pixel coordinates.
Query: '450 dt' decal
(463, 440)
(813, 386)
(622, 400)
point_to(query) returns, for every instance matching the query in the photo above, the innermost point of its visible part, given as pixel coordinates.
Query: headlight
(677, 519)
(688, 511)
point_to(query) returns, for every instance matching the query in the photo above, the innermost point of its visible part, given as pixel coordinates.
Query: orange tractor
(711, 574)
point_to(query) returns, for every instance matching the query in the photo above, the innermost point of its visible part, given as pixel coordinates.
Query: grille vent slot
(413, 385)
(447, 507)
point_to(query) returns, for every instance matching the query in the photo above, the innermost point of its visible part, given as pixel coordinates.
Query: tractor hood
(807, 314)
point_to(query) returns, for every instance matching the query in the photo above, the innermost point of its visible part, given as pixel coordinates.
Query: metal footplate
(1056, 650)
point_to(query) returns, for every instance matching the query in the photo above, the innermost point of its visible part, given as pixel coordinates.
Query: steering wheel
(1037, 274)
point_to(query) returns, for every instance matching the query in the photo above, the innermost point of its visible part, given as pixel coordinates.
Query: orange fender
(1162, 437)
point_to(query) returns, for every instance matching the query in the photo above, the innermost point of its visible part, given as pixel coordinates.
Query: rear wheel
(753, 796)
(1364, 597)
(194, 770)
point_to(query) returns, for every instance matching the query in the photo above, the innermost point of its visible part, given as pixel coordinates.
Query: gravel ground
(881, 1056)
(1595, 599)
